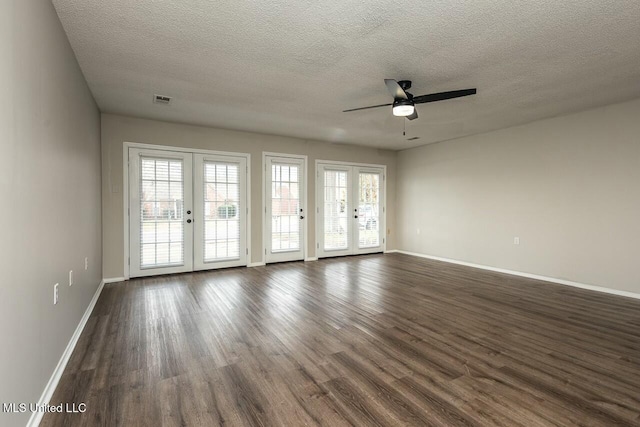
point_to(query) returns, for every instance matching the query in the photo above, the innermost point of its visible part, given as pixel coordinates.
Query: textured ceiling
(290, 68)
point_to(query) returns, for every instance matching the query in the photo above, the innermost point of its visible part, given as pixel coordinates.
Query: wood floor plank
(355, 406)
(377, 340)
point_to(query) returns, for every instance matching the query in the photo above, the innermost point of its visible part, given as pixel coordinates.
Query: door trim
(305, 228)
(317, 225)
(125, 189)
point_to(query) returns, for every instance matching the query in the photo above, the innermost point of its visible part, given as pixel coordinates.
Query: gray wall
(569, 187)
(119, 129)
(50, 192)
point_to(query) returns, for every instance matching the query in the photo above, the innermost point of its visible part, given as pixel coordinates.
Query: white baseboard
(528, 275)
(36, 417)
(310, 259)
(391, 251)
(113, 279)
(256, 264)
(261, 264)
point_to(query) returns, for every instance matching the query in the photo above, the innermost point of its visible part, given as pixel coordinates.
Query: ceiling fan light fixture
(403, 108)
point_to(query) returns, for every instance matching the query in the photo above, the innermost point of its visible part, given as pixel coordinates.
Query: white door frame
(319, 203)
(125, 190)
(303, 202)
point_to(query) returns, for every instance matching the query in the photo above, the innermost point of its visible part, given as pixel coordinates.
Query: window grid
(161, 212)
(336, 210)
(369, 210)
(285, 207)
(222, 211)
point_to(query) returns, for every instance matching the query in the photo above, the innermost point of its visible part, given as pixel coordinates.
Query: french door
(351, 210)
(160, 238)
(186, 211)
(285, 214)
(220, 194)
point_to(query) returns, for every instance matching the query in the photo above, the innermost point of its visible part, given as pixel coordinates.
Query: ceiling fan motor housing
(405, 84)
(398, 102)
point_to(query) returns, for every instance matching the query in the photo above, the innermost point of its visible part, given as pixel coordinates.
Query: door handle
(355, 216)
(301, 217)
(188, 221)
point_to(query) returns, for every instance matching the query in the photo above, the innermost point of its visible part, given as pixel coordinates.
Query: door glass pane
(161, 212)
(221, 211)
(285, 207)
(336, 210)
(369, 210)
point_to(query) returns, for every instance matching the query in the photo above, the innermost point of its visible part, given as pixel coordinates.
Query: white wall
(119, 129)
(50, 193)
(569, 187)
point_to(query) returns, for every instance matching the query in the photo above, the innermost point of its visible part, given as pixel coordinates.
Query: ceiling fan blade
(395, 90)
(366, 108)
(414, 115)
(441, 96)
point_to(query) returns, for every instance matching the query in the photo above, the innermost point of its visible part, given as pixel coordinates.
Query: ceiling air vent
(161, 99)
(413, 138)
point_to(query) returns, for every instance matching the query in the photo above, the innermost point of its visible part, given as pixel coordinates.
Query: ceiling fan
(404, 102)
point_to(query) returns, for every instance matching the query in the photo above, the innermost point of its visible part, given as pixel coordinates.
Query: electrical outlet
(418, 231)
(70, 277)
(86, 263)
(55, 293)
(516, 240)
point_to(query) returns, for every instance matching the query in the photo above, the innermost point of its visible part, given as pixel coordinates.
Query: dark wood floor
(369, 341)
